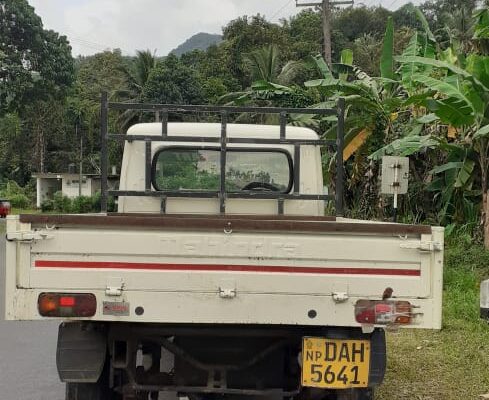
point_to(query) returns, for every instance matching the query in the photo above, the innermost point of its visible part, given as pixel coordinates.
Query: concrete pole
(326, 11)
(38, 192)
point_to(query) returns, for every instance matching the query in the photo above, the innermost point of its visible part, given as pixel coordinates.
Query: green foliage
(353, 22)
(35, 62)
(305, 32)
(454, 109)
(77, 205)
(19, 197)
(62, 203)
(172, 82)
(387, 59)
(10, 141)
(47, 205)
(405, 146)
(82, 205)
(111, 205)
(20, 201)
(419, 90)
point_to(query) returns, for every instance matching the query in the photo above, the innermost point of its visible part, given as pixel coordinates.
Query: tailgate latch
(27, 236)
(422, 245)
(227, 293)
(227, 289)
(340, 297)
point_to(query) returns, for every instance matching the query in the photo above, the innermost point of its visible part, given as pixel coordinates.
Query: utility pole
(326, 6)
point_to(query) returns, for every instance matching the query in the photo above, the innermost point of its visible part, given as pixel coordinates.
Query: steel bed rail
(223, 141)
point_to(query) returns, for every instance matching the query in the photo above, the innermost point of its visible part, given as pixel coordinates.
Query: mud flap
(81, 352)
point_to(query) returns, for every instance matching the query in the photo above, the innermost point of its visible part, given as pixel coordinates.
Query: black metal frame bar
(223, 140)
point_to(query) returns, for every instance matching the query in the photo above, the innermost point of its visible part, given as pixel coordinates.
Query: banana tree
(370, 102)
(458, 97)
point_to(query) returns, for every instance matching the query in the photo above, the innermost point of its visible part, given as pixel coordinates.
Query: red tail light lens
(67, 305)
(382, 312)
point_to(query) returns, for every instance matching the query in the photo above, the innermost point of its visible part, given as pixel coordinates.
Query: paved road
(27, 354)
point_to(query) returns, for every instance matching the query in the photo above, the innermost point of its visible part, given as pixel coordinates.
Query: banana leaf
(323, 68)
(456, 109)
(405, 146)
(387, 59)
(482, 133)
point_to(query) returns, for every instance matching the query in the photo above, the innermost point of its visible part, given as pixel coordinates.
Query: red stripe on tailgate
(217, 267)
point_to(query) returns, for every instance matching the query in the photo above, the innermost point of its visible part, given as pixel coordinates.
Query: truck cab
(251, 168)
(220, 276)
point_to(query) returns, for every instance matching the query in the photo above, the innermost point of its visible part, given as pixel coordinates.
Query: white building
(69, 184)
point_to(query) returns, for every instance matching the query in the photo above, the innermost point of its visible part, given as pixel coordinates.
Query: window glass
(187, 169)
(195, 169)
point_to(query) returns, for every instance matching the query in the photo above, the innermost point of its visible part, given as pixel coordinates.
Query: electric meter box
(395, 175)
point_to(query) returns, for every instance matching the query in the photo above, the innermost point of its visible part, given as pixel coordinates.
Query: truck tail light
(383, 312)
(67, 304)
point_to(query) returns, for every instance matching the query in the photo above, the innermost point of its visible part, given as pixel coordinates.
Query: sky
(158, 25)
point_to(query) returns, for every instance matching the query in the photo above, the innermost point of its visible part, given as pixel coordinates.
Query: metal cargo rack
(223, 140)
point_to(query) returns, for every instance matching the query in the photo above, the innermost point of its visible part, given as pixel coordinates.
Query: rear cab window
(187, 168)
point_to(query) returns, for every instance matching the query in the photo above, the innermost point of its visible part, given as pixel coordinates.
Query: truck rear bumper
(210, 308)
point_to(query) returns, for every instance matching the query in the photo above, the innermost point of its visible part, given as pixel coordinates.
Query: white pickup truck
(220, 276)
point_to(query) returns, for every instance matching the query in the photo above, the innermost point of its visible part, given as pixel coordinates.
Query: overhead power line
(326, 7)
(281, 9)
(392, 3)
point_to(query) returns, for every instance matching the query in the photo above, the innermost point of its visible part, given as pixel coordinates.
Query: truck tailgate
(227, 256)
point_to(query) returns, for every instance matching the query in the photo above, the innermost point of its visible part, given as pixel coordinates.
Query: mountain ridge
(199, 41)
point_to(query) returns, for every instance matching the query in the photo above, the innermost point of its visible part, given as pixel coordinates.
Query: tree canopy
(415, 81)
(35, 62)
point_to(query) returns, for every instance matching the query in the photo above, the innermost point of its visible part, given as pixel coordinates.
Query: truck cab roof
(214, 130)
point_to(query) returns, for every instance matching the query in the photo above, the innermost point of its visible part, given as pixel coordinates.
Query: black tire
(93, 391)
(355, 394)
(86, 391)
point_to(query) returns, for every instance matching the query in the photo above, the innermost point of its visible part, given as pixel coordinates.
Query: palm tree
(265, 66)
(459, 27)
(268, 78)
(137, 76)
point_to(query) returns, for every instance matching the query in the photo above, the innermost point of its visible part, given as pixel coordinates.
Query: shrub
(96, 202)
(111, 205)
(18, 196)
(62, 203)
(19, 201)
(82, 204)
(47, 205)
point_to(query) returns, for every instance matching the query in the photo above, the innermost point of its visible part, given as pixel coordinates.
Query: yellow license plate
(335, 363)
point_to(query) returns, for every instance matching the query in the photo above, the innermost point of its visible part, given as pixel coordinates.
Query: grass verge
(16, 211)
(452, 363)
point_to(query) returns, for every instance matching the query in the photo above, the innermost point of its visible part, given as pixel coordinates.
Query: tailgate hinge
(28, 236)
(114, 287)
(422, 245)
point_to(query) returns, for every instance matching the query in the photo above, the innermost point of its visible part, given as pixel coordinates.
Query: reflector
(383, 312)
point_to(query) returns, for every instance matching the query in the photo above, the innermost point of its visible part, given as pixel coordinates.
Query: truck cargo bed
(228, 269)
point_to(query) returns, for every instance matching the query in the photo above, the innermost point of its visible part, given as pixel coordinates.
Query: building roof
(60, 175)
(214, 130)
